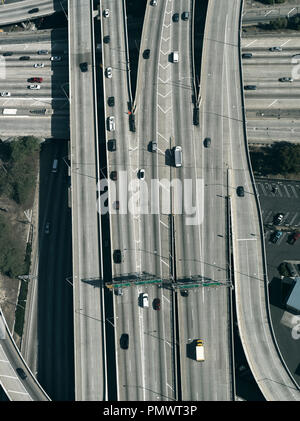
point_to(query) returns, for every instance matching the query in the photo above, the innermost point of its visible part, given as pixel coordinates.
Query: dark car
(106, 39)
(35, 10)
(207, 142)
(24, 58)
(116, 205)
(250, 87)
(240, 191)
(21, 373)
(124, 341)
(112, 145)
(294, 237)
(42, 111)
(8, 53)
(114, 175)
(185, 16)
(275, 236)
(83, 66)
(146, 53)
(278, 218)
(175, 17)
(247, 55)
(117, 256)
(111, 101)
(184, 292)
(35, 79)
(156, 304)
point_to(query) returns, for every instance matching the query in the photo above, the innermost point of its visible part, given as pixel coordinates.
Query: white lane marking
(250, 43)
(272, 103)
(246, 239)
(285, 43)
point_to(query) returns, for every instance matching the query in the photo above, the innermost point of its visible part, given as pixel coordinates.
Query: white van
(55, 165)
(175, 57)
(145, 300)
(178, 156)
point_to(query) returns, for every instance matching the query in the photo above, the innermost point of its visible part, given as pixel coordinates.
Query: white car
(111, 123)
(34, 86)
(141, 174)
(106, 13)
(145, 299)
(55, 58)
(4, 93)
(38, 65)
(153, 3)
(286, 79)
(109, 72)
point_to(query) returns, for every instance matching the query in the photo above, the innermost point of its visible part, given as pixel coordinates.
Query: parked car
(275, 236)
(293, 237)
(278, 218)
(124, 341)
(240, 191)
(4, 93)
(35, 79)
(286, 79)
(34, 87)
(21, 373)
(156, 304)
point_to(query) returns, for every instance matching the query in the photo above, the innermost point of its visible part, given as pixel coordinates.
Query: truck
(199, 350)
(9, 111)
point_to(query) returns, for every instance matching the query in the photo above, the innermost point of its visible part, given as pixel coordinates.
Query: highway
(89, 332)
(250, 277)
(266, 14)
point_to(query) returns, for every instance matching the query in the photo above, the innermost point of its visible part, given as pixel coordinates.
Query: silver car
(38, 65)
(109, 72)
(4, 93)
(34, 86)
(106, 13)
(111, 123)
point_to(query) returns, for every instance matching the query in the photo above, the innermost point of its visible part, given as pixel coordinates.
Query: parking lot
(281, 196)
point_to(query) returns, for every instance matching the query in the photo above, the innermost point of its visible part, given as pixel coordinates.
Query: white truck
(199, 350)
(9, 111)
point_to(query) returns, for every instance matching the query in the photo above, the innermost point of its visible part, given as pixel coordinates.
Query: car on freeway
(43, 52)
(112, 145)
(35, 79)
(24, 58)
(184, 293)
(21, 373)
(286, 79)
(124, 341)
(55, 58)
(117, 256)
(106, 13)
(5, 93)
(39, 65)
(207, 142)
(250, 87)
(118, 291)
(247, 55)
(34, 10)
(42, 111)
(175, 17)
(278, 218)
(7, 53)
(141, 174)
(83, 66)
(111, 101)
(294, 237)
(144, 299)
(114, 175)
(111, 123)
(146, 53)
(275, 49)
(116, 205)
(185, 16)
(153, 146)
(35, 87)
(156, 304)
(153, 2)
(240, 191)
(106, 39)
(47, 228)
(108, 72)
(275, 236)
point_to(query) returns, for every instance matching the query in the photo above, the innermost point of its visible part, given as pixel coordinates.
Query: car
(42, 111)
(7, 53)
(55, 58)
(116, 205)
(144, 299)
(250, 87)
(111, 123)
(175, 17)
(124, 341)
(111, 101)
(35, 87)
(240, 191)
(24, 58)
(141, 174)
(117, 256)
(83, 66)
(118, 291)
(47, 228)
(108, 72)
(247, 55)
(153, 146)
(35, 79)
(275, 236)
(153, 2)
(184, 293)
(106, 13)
(34, 10)
(294, 237)
(278, 218)
(112, 145)
(207, 142)
(106, 39)
(286, 79)
(185, 16)
(146, 53)
(156, 304)
(39, 65)
(177, 153)
(275, 49)
(5, 93)
(43, 52)
(21, 373)
(114, 175)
